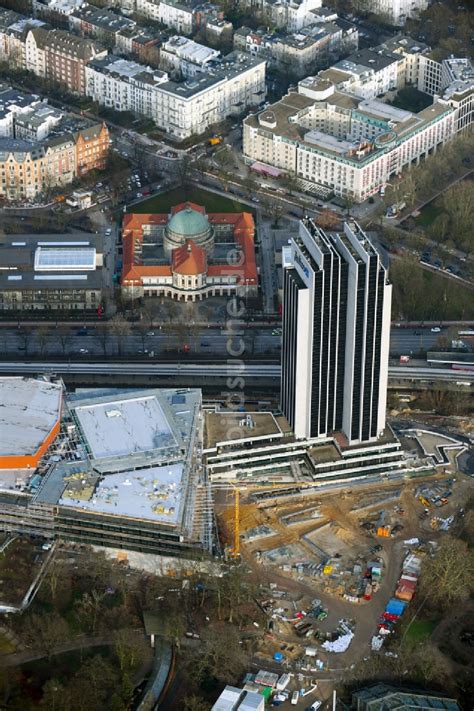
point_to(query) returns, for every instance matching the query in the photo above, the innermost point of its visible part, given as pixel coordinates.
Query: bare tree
(42, 335)
(64, 337)
(149, 311)
(102, 335)
(221, 655)
(195, 703)
(183, 172)
(130, 649)
(89, 608)
(46, 632)
(121, 329)
(449, 576)
(142, 330)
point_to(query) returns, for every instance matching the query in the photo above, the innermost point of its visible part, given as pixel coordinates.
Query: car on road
(150, 333)
(83, 350)
(108, 232)
(315, 706)
(276, 332)
(436, 329)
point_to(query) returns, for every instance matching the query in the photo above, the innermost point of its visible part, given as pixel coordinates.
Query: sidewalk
(18, 658)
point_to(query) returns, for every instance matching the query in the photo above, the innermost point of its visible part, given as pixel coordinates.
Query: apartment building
(92, 148)
(51, 272)
(412, 56)
(37, 122)
(55, 9)
(143, 44)
(41, 148)
(290, 15)
(302, 52)
(182, 55)
(367, 73)
(181, 109)
(13, 104)
(211, 18)
(60, 57)
(177, 15)
(146, 8)
(394, 12)
(452, 80)
(13, 30)
(28, 169)
(100, 24)
(342, 143)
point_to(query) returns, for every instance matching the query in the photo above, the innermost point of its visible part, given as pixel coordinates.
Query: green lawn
(420, 631)
(211, 201)
(428, 214)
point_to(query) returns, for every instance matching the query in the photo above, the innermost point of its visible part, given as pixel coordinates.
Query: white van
(295, 697)
(283, 682)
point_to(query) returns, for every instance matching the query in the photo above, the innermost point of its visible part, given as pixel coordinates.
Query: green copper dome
(189, 223)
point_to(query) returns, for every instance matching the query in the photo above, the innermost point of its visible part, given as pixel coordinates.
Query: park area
(213, 202)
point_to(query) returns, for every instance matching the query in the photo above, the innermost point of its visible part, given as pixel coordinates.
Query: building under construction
(124, 471)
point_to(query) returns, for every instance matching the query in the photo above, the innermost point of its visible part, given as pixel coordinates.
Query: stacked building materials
(409, 579)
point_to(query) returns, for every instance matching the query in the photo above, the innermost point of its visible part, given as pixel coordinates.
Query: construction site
(330, 552)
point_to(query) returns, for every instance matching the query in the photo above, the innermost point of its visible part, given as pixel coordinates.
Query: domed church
(188, 224)
(188, 254)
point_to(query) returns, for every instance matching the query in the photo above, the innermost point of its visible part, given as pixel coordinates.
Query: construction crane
(235, 550)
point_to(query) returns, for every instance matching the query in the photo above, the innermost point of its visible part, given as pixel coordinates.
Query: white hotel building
(340, 142)
(181, 109)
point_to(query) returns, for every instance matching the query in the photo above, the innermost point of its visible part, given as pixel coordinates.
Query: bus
(466, 334)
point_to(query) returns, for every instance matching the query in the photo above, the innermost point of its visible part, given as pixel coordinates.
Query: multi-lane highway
(50, 342)
(210, 370)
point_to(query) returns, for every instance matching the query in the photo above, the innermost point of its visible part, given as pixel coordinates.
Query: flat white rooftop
(124, 427)
(29, 409)
(332, 143)
(384, 111)
(63, 258)
(190, 51)
(153, 494)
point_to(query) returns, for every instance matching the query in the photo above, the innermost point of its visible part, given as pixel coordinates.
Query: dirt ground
(345, 513)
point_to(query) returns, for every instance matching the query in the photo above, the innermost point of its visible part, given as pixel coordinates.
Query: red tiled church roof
(244, 231)
(189, 259)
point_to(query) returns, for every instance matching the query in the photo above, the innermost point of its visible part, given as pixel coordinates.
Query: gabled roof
(189, 259)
